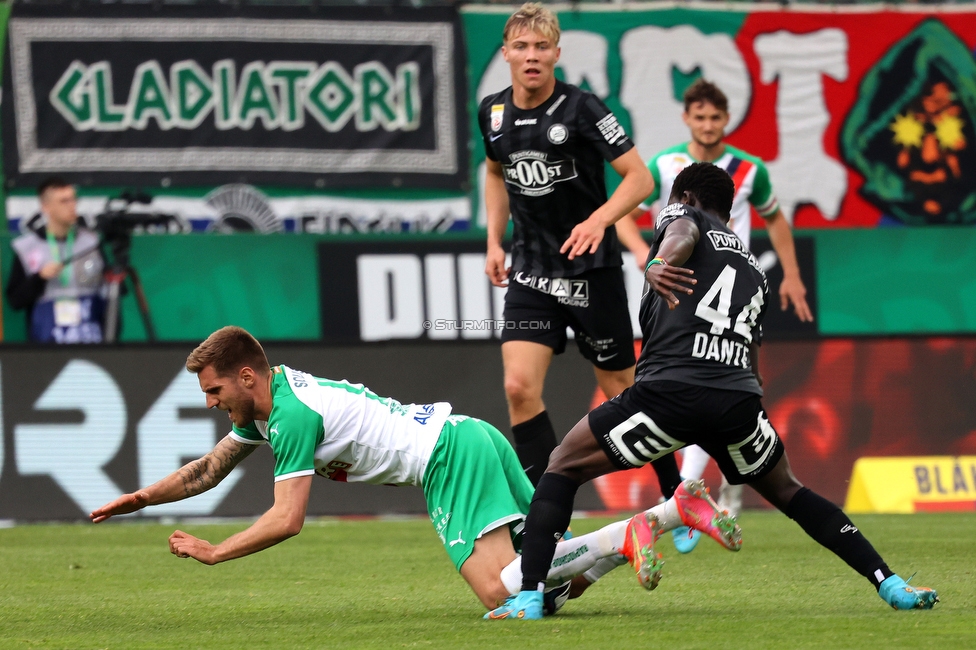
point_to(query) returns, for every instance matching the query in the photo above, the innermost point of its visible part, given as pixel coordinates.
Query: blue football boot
(899, 595)
(525, 605)
(685, 538)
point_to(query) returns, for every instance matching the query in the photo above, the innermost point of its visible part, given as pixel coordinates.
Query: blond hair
(227, 351)
(532, 17)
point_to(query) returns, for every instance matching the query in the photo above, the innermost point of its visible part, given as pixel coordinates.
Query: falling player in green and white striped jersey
(476, 491)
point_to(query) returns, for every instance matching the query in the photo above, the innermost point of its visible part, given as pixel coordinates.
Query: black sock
(534, 441)
(668, 476)
(828, 525)
(549, 515)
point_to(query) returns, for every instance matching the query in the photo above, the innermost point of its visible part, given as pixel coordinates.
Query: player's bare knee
(519, 390)
(491, 593)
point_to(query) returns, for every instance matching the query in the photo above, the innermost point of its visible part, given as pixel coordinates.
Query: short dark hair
(228, 350)
(706, 92)
(51, 183)
(712, 186)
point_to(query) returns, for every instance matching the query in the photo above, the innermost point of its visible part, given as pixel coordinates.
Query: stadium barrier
(81, 425)
(912, 484)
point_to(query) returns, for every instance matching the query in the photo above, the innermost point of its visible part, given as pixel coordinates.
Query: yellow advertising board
(909, 484)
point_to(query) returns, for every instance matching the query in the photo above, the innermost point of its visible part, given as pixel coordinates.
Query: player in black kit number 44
(697, 382)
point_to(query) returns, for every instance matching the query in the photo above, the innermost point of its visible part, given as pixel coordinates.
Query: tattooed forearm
(201, 475)
(197, 476)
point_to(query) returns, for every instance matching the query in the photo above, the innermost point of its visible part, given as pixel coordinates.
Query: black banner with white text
(412, 289)
(201, 95)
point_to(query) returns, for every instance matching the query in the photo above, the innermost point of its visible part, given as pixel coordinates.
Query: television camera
(116, 225)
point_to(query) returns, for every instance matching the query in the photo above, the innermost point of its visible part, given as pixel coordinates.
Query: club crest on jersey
(497, 115)
(557, 134)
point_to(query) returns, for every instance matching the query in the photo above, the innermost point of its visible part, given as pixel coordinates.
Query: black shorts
(654, 418)
(594, 304)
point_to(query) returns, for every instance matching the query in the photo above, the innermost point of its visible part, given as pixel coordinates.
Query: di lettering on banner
(372, 291)
(203, 95)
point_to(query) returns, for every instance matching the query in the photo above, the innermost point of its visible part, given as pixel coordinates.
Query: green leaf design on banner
(911, 132)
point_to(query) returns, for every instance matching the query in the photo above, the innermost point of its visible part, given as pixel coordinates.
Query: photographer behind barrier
(58, 273)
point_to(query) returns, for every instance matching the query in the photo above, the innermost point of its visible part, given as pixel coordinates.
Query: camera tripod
(115, 277)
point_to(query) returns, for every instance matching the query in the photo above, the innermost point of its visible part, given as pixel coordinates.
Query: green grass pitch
(388, 584)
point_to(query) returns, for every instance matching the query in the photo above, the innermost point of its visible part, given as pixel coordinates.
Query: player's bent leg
(779, 485)
(579, 456)
(493, 551)
(614, 382)
(831, 528)
(525, 364)
(730, 497)
(694, 459)
(604, 566)
(572, 558)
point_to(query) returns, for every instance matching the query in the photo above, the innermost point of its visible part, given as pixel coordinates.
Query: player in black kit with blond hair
(546, 144)
(697, 383)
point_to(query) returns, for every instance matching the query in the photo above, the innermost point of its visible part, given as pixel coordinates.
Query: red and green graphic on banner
(865, 118)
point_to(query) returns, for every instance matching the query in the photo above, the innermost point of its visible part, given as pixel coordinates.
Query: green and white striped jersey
(344, 431)
(752, 186)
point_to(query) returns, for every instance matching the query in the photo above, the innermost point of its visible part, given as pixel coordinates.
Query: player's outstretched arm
(497, 211)
(635, 186)
(792, 290)
(193, 478)
(283, 520)
(670, 277)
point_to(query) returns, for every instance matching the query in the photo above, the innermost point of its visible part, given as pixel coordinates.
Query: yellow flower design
(908, 131)
(948, 130)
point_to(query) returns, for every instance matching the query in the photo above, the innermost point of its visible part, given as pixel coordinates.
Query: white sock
(667, 515)
(604, 566)
(730, 497)
(572, 557)
(693, 462)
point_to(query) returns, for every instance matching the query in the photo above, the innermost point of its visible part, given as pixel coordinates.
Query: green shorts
(473, 484)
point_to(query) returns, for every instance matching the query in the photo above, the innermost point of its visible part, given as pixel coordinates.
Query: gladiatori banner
(197, 96)
(865, 116)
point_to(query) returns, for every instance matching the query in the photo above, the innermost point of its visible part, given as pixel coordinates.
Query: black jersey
(552, 162)
(705, 340)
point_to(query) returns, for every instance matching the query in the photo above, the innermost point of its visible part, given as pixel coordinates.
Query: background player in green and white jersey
(477, 494)
(706, 114)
